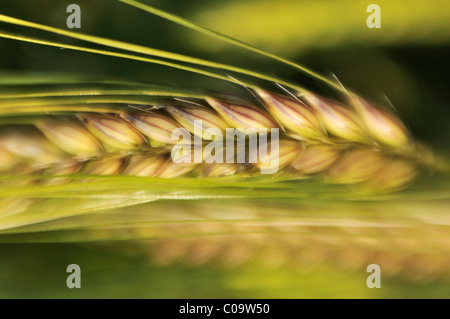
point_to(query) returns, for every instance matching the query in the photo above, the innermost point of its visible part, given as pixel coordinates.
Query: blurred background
(405, 64)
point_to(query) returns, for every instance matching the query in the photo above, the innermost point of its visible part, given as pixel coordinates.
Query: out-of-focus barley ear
(107, 165)
(280, 154)
(157, 127)
(294, 115)
(172, 169)
(219, 169)
(316, 159)
(30, 146)
(235, 254)
(7, 160)
(65, 168)
(71, 137)
(115, 133)
(144, 165)
(396, 174)
(337, 119)
(201, 253)
(242, 116)
(384, 126)
(356, 165)
(190, 117)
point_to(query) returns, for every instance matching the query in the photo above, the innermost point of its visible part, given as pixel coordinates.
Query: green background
(394, 62)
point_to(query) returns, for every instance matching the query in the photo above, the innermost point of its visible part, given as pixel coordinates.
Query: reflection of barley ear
(305, 252)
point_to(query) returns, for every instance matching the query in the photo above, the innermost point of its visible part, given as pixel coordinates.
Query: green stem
(139, 49)
(194, 26)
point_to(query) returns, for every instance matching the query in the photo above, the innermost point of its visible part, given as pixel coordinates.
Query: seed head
(337, 119)
(316, 159)
(108, 165)
(294, 115)
(157, 127)
(282, 154)
(115, 133)
(397, 173)
(383, 125)
(240, 116)
(356, 165)
(172, 169)
(71, 137)
(64, 168)
(30, 146)
(144, 165)
(219, 169)
(189, 117)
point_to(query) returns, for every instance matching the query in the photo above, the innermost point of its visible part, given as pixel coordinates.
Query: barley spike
(319, 137)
